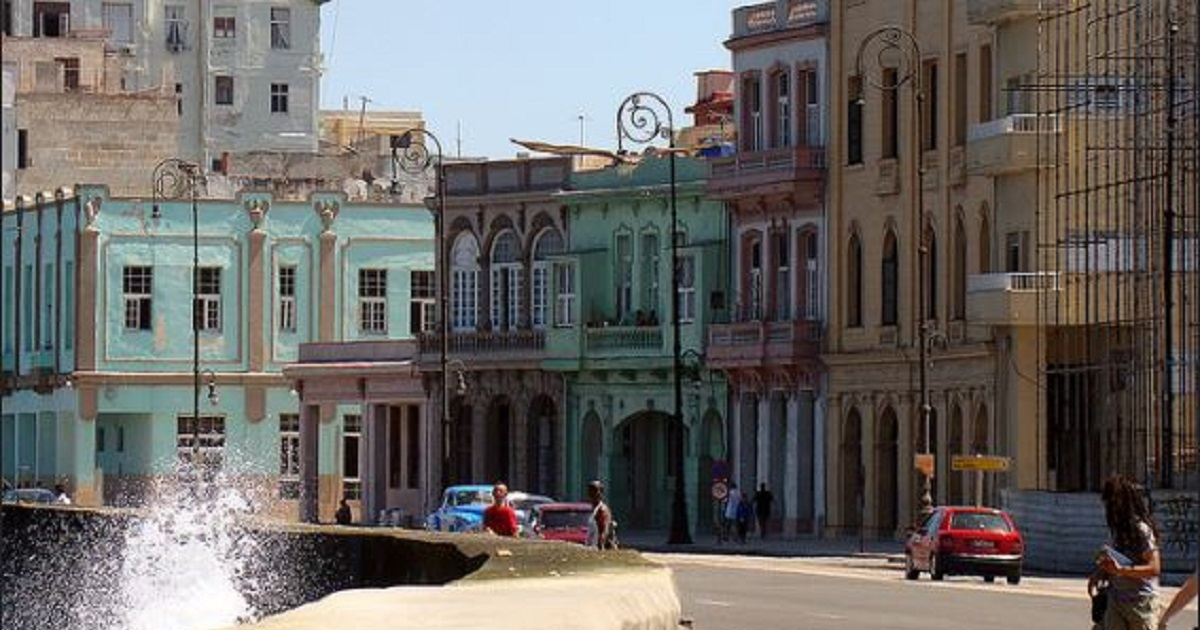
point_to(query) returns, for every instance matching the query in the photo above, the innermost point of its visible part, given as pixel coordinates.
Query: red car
(562, 521)
(965, 541)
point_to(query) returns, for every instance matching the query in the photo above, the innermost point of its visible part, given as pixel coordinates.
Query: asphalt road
(744, 593)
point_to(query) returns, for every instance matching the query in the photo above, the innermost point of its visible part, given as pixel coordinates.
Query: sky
(482, 72)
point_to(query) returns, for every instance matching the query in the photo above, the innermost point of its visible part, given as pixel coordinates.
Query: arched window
(930, 271)
(809, 292)
(854, 282)
(985, 241)
(960, 269)
(464, 290)
(548, 242)
(781, 97)
(889, 281)
(506, 281)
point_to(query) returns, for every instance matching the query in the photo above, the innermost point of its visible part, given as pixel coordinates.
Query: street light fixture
(643, 118)
(892, 47)
(175, 178)
(210, 379)
(415, 158)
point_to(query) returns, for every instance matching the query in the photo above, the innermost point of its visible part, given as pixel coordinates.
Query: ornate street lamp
(175, 178)
(643, 118)
(894, 48)
(415, 158)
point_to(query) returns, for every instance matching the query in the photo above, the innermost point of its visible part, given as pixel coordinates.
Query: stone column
(310, 427)
(735, 434)
(827, 413)
(762, 443)
(256, 310)
(373, 460)
(327, 290)
(870, 419)
(792, 481)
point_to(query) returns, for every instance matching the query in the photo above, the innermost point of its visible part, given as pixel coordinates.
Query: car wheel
(935, 568)
(910, 569)
(1014, 578)
(989, 578)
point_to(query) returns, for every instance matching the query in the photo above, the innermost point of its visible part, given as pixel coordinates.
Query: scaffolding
(1116, 225)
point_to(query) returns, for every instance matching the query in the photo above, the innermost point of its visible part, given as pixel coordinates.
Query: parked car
(562, 521)
(965, 541)
(461, 509)
(524, 503)
(28, 495)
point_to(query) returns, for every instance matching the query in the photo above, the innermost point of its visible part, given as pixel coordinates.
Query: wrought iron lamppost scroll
(415, 158)
(643, 118)
(175, 178)
(894, 48)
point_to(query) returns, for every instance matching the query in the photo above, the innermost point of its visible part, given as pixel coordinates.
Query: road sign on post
(924, 463)
(983, 463)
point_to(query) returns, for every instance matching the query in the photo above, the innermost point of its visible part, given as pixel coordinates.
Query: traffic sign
(924, 463)
(985, 463)
(720, 490)
(720, 469)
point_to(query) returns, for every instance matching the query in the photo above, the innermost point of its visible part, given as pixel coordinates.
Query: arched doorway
(712, 448)
(955, 447)
(497, 460)
(460, 442)
(851, 472)
(592, 448)
(541, 447)
(887, 486)
(641, 487)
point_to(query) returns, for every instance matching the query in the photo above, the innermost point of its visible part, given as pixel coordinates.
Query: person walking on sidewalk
(733, 500)
(762, 508)
(1130, 563)
(600, 523)
(499, 518)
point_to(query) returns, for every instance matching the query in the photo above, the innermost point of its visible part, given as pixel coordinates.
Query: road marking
(713, 602)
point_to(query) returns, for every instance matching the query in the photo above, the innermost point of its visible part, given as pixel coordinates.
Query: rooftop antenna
(582, 122)
(362, 115)
(458, 137)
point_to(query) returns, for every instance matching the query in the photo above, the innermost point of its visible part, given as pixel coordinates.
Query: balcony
(773, 171)
(1015, 143)
(485, 347)
(623, 341)
(770, 17)
(1009, 299)
(992, 12)
(763, 344)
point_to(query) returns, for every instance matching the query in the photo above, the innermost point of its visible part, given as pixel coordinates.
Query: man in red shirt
(499, 518)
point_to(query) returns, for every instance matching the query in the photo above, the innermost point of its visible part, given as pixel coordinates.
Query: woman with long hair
(1129, 564)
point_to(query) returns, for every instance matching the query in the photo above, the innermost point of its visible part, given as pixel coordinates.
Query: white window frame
(464, 283)
(687, 289)
(623, 253)
(226, 30)
(286, 279)
(812, 280)
(289, 456)
(783, 101)
(134, 299)
(506, 282)
(564, 311)
(117, 18)
(212, 440)
(423, 296)
(208, 299)
(175, 21)
(372, 301)
(651, 264)
(783, 275)
(281, 28)
(539, 294)
(352, 441)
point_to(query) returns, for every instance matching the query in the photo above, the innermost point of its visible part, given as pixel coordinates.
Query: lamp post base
(925, 502)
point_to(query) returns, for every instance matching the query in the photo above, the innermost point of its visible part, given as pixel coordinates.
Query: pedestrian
(600, 523)
(342, 516)
(732, 501)
(1186, 593)
(60, 495)
(1129, 564)
(499, 518)
(743, 518)
(762, 508)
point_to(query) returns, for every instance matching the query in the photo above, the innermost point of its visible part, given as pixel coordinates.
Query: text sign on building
(985, 463)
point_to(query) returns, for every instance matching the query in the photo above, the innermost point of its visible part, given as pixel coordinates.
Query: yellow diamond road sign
(986, 463)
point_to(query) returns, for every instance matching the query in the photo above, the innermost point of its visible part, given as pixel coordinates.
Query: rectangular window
(68, 68)
(136, 286)
(100, 441)
(372, 301)
(960, 99)
(783, 277)
(206, 439)
(208, 299)
(351, 437)
(783, 110)
(687, 289)
(756, 281)
(985, 83)
(813, 131)
(279, 98)
(651, 253)
(539, 296)
(178, 99)
(287, 298)
(224, 23)
(565, 298)
(624, 267)
(117, 18)
(51, 19)
(23, 160)
(223, 90)
(289, 456)
(890, 148)
(466, 295)
(754, 100)
(929, 83)
(175, 17)
(854, 121)
(281, 28)
(422, 315)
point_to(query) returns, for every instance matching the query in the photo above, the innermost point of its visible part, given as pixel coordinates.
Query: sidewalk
(884, 552)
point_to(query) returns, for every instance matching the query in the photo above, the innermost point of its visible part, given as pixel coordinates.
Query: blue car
(461, 510)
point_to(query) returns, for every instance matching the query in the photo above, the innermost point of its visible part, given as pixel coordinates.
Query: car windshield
(565, 519)
(979, 521)
(468, 497)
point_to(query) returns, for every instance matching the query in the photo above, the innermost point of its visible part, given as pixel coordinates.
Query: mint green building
(615, 350)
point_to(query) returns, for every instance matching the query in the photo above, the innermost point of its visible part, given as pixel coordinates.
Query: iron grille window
(287, 299)
(208, 299)
(289, 456)
(372, 301)
(136, 285)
